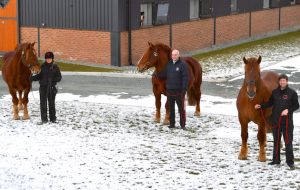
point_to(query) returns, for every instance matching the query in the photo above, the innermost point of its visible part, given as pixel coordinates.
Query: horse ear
(33, 44)
(259, 60)
(150, 44)
(245, 60)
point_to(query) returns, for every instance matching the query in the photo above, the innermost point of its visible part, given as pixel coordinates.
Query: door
(8, 25)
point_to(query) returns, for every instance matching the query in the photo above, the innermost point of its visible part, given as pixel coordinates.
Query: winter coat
(281, 100)
(176, 75)
(49, 75)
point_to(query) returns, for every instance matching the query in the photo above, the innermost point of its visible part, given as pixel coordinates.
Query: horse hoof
(166, 122)
(157, 120)
(16, 117)
(242, 157)
(197, 114)
(25, 117)
(262, 159)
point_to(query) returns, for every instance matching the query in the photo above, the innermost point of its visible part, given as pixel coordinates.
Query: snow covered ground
(104, 142)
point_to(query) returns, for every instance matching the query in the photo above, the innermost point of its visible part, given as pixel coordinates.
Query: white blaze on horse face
(140, 60)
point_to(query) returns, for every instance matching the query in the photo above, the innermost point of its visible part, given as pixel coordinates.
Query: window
(194, 9)
(266, 4)
(146, 14)
(162, 13)
(233, 5)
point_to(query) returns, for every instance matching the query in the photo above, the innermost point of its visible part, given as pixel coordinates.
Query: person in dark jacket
(176, 74)
(48, 77)
(284, 101)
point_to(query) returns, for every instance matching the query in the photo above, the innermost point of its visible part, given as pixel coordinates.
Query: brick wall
(140, 38)
(193, 35)
(76, 45)
(230, 28)
(94, 46)
(290, 16)
(124, 48)
(265, 21)
(29, 35)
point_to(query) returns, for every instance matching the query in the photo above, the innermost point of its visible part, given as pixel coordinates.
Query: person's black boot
(42, 122)
(274, 163)
(184, 128)
(292, 166)
(171, 126)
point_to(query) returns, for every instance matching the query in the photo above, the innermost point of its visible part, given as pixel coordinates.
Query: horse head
(155, 56)
(29, 57)
(252, 75)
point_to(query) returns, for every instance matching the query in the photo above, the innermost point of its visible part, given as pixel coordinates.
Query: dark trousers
(179, 99)
(278, 131)
(47, 94)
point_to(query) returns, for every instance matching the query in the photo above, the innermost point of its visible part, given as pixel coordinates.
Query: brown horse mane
(165, 48)
(17, 51)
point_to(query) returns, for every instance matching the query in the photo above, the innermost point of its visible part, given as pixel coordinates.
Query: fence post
(39, 41)
(215, 30)
(250, 24)
(279, 19)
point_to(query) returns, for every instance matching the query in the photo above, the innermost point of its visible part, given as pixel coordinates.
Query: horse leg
(13, 93)
(20, 105)
(157, 105)
(25, 102)
(167, 117)
(198, 97)
(261, 136)
(244, 133)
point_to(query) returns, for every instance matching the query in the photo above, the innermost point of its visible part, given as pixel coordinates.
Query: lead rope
(286, 133)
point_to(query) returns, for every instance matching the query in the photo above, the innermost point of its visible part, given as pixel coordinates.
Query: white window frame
(162, 11)
(194, 9)
(266, 4)
(233, 5)
(293, 2)
(147, 9)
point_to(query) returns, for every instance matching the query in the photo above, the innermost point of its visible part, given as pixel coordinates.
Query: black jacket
(281, 100)
(49, 75)
(176, 75)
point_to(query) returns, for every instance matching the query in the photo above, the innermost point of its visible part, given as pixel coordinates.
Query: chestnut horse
(257, 89)
(158, 56)
(16, 70)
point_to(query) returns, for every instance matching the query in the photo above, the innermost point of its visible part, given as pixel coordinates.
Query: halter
(23, 59)
(251, 81)
(153, 56)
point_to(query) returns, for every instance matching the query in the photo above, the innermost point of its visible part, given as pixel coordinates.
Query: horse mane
(165, 48)
(21, 47)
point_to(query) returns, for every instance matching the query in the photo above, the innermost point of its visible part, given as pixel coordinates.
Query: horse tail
(191, 97)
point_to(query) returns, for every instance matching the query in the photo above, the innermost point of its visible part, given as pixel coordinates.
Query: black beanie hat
(49, 55)
(283, 76)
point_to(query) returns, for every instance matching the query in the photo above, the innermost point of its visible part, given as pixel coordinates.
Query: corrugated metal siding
(221, 8)
(247, 6)
(98, 14)
(77, 14)
(179, 10)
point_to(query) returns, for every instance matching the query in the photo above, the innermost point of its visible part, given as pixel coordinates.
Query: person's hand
(284, 112)
(257, 106)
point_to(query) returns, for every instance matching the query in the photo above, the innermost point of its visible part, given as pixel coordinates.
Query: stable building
(116, 32)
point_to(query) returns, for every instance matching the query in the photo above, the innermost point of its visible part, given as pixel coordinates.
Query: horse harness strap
(23, 59)
(155, 54)
(286, 133)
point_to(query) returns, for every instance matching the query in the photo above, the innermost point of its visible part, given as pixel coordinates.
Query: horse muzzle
(251, 95)
(143, 69)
